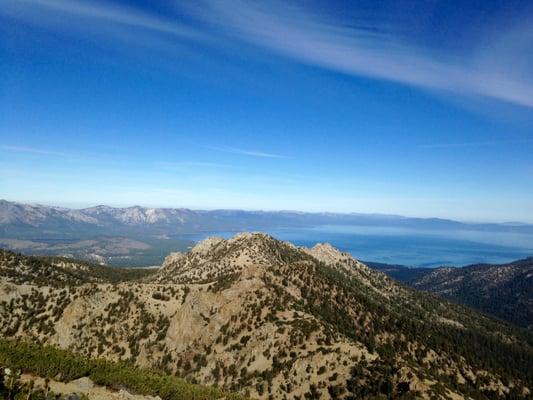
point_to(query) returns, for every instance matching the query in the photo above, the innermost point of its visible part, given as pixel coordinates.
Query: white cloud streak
(498, 68)
(32, 150)
(103, 18)
(474, 144)
(244, 152)
(380, 53)
(192, 164)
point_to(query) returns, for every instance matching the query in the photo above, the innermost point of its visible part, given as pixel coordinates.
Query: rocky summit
(269, 320)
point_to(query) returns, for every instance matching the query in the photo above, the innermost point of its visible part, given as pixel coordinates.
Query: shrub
(50, 362)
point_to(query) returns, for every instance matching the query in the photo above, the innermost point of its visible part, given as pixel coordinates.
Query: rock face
(215, 257)
(505, 291)
(329, 255)
(326, 253)
(270, 320)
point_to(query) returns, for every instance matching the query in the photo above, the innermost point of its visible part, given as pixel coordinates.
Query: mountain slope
(269, 319)
(79, 376)
(400, 272)
(60, 272)
(505, 291)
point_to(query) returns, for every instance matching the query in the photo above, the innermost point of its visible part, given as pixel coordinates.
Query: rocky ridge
(271, 320)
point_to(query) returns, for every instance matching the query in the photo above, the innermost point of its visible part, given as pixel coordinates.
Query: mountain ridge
(26, 220)
(266, 318)
(502, 290)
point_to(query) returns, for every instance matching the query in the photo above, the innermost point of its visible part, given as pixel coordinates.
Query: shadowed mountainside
(399, 272)
(505, 291)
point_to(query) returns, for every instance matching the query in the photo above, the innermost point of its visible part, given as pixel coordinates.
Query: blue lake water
(411, 247)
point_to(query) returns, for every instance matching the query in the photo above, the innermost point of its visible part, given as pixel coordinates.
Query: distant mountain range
(502, 290)
(25, 221)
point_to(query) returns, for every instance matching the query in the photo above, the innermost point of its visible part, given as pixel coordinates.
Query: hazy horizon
(91, 205)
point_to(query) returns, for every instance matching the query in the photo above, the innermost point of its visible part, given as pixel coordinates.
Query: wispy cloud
(245, 152)
(473, 144)
(192, 164)
(375, 48)
(103, 18)
(498, 66)
(32, 150)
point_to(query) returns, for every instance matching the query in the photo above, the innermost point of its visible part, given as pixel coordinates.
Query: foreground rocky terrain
(36, 386)
(269, 320)
(29, 370)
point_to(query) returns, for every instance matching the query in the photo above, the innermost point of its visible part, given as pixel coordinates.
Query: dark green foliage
(504, 291)
(11, 387)
(51, 362)
(160, 296)
(357, 312)
(400, 272)
(224, 282)
(59, 272)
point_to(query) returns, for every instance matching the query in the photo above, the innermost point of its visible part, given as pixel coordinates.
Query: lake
(411, 247)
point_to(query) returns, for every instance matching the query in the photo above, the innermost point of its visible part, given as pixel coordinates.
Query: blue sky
(420, 108)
